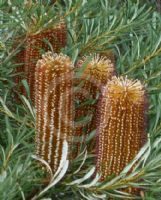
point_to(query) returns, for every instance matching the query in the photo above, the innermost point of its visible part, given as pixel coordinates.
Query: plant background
(132, 29)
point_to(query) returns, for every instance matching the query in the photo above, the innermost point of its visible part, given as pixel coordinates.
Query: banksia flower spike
(34, 46)
(97, 72)
(54, 106)
(121, 128)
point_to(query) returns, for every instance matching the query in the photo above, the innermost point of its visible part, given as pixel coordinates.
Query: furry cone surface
(54, 107)
(121, 128)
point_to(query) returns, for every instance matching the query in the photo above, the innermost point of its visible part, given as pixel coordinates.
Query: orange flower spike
(96, 74)
(36, 44)
(54, 106)
(121, 128)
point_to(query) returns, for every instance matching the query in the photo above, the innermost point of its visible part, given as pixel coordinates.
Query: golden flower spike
(121, 122)
(97, 72)
(54, 106)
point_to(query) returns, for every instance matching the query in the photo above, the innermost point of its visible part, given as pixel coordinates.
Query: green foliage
(132, 30)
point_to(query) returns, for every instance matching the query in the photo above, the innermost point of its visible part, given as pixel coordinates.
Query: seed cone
(98, 71)
(121, 128)
(35, 45)
(54, 106)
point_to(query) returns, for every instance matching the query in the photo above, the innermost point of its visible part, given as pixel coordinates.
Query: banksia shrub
(97, 72)
(35, 45)
(54, 106)
(121, 128)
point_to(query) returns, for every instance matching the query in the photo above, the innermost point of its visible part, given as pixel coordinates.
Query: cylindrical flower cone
(54, 106)
(121, 128)
(38, 44)
(35, 46)
(98, 70)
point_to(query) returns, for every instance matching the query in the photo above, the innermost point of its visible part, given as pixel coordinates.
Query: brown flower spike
(54, 106)
(35, 45)
(121, 128)
(98, 70)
